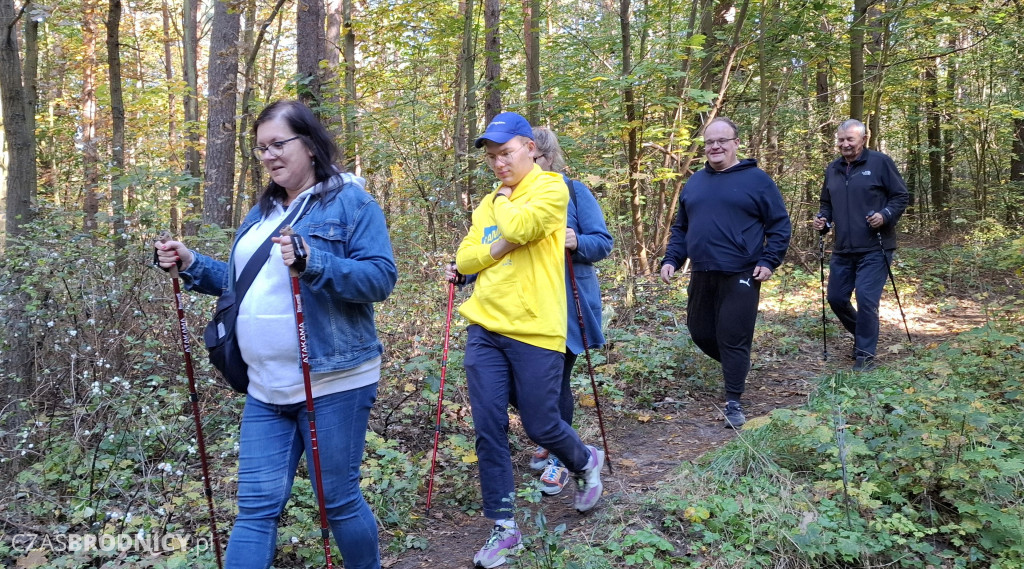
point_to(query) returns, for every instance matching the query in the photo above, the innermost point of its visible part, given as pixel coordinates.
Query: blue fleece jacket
(729, 221)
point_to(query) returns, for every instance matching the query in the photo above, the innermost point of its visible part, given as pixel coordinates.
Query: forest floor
(647, 448)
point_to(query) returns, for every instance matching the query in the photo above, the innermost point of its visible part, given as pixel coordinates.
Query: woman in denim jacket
(349, 267)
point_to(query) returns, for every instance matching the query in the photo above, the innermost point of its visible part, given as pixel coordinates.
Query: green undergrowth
(98, 437)
(918, 465)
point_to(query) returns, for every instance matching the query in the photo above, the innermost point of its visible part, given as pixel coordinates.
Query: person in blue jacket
(588, 240)
(733, 226)
(863, 196)
(349, 267)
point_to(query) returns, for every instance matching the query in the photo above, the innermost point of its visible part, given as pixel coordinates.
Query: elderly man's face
(512, 161)
(850, 142)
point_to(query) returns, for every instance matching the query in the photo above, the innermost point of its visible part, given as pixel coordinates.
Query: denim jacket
(350, 266)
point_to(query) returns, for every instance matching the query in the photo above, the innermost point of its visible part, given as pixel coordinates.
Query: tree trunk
(938, 192)
(222, 85)
(949, 103)
(31, 80)
(860, 9)
(352, 158)
(190, 57)
(492, 59)
(253, 40)
(20, 187)
(172, 121)
(117, 124)
(913, 162)
(821, 101)
(632, 138)
(1016, 196)
(470, 86)
(531, 39)
(311, 46)
(464, 103)
(87, 124)
(336, 120)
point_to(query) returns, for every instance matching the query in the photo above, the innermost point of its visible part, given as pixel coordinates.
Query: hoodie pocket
(506, 301)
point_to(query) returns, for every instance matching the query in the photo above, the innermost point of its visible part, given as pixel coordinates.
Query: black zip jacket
(851, 191)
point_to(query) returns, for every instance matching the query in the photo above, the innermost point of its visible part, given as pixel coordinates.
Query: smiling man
(863, 196)
(517, 314)
(734, 228)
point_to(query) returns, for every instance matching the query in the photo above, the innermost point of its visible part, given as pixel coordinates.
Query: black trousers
(721, 313)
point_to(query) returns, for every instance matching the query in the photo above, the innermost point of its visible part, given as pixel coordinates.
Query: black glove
(300, 253)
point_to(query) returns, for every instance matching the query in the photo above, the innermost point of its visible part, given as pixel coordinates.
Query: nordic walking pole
(821, 263)
(440, 390)
(892, 279)
(193, 395)
(590, 365)
(300, 323)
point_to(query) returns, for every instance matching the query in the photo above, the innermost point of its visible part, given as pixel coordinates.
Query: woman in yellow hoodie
(516, 338)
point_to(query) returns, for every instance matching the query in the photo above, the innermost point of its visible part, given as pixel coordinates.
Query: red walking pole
(300, 324)
(440, 391)
(586, 350)
(193, 395)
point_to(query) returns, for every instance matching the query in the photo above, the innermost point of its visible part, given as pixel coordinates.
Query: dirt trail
(646, 454)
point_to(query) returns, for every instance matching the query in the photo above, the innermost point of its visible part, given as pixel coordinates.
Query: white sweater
(267, 334)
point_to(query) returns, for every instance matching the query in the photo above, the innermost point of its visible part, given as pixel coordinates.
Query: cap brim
(497, 137)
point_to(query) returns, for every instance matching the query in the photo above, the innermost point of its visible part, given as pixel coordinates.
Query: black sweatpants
(721, 312)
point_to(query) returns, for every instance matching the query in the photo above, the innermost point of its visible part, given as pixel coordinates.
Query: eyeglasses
(717, 142)
(275, 149)
(505, 157)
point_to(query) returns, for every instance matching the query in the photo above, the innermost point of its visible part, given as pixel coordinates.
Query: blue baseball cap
(504, 127)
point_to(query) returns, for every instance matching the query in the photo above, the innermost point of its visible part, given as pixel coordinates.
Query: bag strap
(259, 258)
(572, 190)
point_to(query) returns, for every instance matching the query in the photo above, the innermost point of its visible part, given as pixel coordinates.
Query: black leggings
(721, 313)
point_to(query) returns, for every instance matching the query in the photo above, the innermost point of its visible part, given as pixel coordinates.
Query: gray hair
(854, 123)
(547, 144)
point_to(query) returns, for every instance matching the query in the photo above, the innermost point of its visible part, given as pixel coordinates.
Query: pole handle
(299, 264)
(164, 237)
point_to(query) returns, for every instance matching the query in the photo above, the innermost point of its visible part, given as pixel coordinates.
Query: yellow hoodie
(521, 295)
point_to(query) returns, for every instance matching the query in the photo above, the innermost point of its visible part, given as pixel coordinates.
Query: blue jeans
(273, 438)
(499, 370)
(864, 273)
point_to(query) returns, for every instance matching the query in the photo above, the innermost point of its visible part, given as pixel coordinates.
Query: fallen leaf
(643, 418)
(35, 558)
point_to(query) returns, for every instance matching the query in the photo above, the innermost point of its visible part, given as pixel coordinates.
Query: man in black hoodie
(733, 226)
(863, 196)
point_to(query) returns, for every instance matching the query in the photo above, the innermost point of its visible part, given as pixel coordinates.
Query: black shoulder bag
(219, 336)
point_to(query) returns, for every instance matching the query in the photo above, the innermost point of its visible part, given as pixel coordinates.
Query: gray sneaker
(588, 482)
(502, 542)
(733, 412)
(866, 363)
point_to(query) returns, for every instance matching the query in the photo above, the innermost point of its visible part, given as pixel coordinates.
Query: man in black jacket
(863, 196)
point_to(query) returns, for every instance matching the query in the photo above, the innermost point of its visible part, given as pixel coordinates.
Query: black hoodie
(729, 221)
